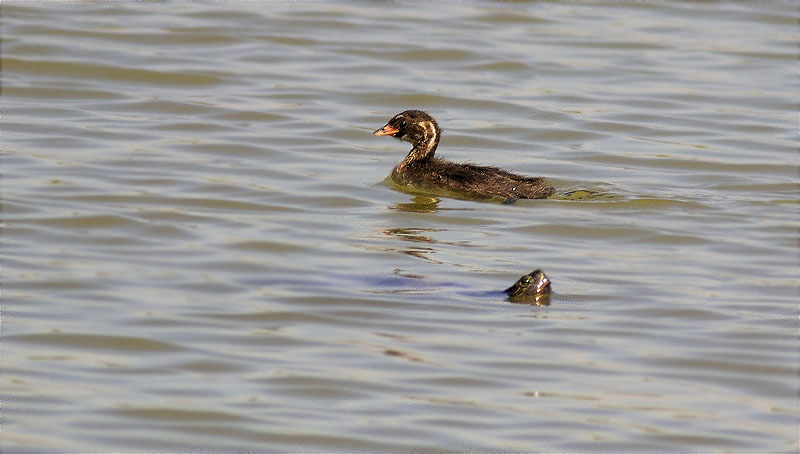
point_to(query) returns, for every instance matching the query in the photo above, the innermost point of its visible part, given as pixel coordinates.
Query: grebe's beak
(386, 131)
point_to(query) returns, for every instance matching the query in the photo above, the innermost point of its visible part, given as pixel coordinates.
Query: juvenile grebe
(421, 170)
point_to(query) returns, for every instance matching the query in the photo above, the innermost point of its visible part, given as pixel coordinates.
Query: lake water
(201, 252)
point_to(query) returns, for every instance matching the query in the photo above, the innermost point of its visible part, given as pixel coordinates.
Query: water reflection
(586, 194)
(419, 204)
(411, 234)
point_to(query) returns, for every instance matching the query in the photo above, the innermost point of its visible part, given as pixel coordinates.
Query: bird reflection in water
(419, 204)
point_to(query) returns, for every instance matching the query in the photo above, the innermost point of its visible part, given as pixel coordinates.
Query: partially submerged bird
(421, 170)
(533, 288)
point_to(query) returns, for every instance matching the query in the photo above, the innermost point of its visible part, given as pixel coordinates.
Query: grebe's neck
(424, 148)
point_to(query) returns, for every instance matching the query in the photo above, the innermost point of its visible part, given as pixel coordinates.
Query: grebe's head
(414, 126)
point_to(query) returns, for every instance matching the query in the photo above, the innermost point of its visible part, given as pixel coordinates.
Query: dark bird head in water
(413, 126)
(533, 288)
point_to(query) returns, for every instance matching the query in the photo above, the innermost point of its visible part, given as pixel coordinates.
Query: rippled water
(200, 251)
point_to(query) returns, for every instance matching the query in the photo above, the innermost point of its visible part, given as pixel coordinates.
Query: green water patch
(586, 194)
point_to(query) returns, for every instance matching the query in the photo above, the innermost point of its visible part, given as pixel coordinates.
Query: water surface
(200, 251)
